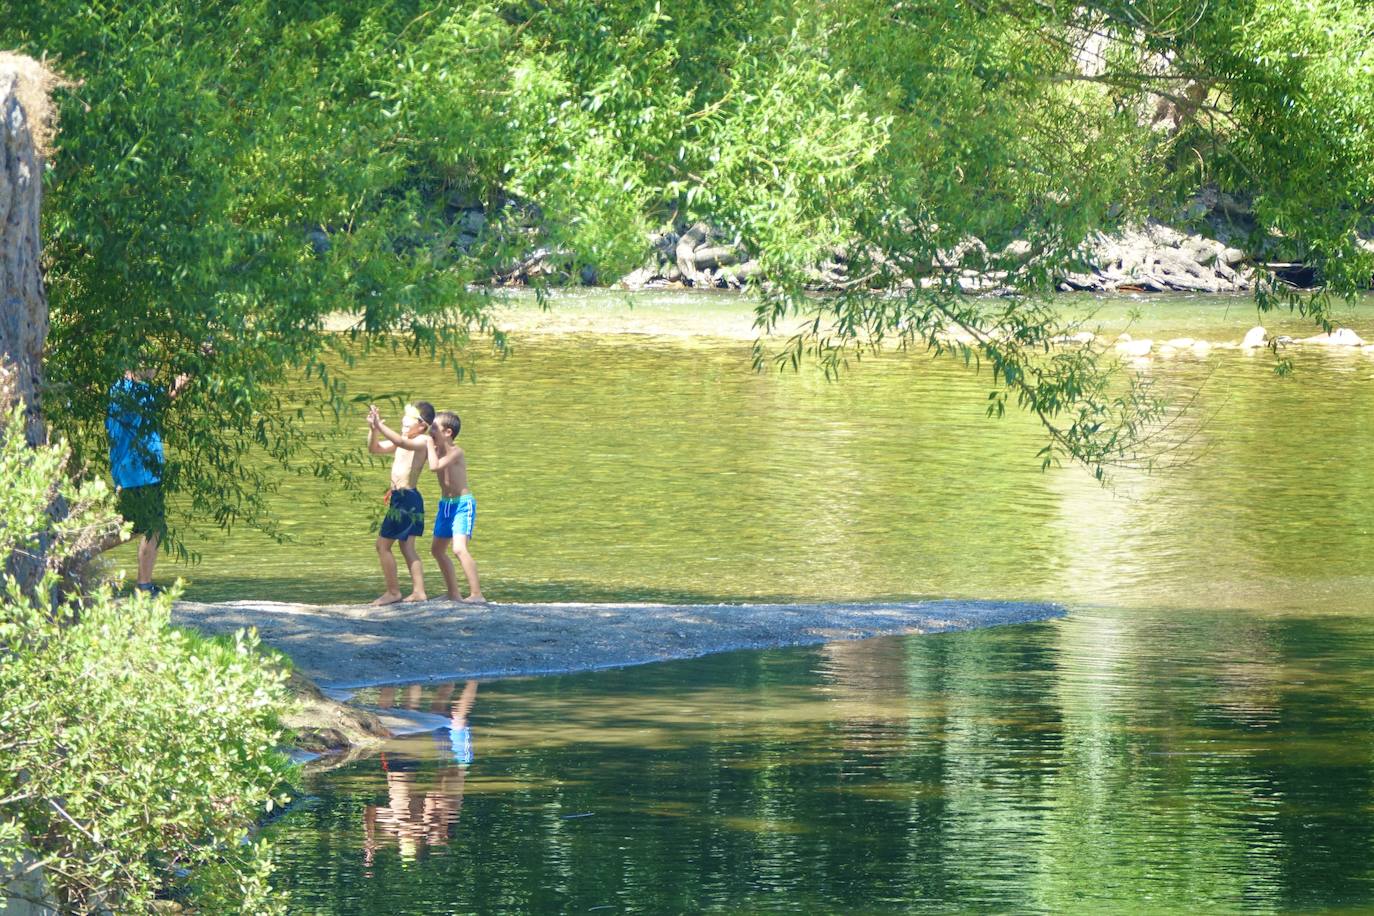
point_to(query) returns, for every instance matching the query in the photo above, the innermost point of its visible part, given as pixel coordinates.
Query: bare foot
(475, 599)
(454, 596)
(387, 598)
(416, 596)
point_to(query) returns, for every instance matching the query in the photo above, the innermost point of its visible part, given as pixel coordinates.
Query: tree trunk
(24, 125)
(23, 304)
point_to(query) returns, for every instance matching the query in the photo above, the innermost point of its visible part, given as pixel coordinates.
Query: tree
(233, 173)
(128, 751)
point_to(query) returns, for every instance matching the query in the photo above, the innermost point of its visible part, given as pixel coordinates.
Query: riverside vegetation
(133, 759)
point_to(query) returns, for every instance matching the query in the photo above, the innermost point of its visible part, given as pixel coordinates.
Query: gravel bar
(346, 646)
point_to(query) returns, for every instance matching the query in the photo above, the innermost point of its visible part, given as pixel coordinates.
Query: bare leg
(417, 572)
(460, 549)
(147, 556)
(442, 695)
(440, 549)
(388, 561)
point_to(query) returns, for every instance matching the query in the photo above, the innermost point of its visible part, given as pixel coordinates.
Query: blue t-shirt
(135, 446)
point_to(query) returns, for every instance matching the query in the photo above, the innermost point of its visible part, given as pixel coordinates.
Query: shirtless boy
(457, 514)
(405, 515)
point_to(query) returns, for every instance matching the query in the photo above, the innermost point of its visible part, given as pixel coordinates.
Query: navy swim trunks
(405, 515)
(455, 515)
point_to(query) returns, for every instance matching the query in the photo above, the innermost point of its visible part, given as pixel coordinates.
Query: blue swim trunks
(405, 515)
(460, 742)
(456, 515)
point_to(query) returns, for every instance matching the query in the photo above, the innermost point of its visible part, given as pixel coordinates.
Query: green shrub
(134, 759)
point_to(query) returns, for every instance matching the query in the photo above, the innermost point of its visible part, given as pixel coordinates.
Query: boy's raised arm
(417, 444)
(440, 455)
(374, 445)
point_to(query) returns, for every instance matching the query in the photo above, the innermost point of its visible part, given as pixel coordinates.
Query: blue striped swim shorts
(456, 515)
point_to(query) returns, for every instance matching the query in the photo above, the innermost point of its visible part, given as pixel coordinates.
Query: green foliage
(231, 174)
(133, 760)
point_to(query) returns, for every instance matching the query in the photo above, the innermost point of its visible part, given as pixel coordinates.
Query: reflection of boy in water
(421, 821)
(459, 735)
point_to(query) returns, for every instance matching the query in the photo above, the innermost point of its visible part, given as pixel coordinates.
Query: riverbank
(340, 646)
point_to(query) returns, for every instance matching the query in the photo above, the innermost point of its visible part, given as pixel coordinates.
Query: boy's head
(417, 413)
(141, 373)
(448, 421)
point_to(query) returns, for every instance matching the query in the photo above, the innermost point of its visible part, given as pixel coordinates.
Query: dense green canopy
(229, 174)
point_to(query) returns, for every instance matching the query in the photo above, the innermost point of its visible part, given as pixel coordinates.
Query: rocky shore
(1213, 256)
(1152, 258)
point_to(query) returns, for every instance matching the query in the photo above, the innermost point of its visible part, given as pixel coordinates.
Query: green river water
(1196, 734)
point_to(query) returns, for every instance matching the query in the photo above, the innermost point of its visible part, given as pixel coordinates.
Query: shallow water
(656, 468)
(1195, 735)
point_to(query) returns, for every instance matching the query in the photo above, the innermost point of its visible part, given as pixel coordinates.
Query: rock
(1179, 271)
(1163, 235)
(324, 725)
(1201, 347)
(1134, 348)
(686, 245)
(1255, 338)
(1232, 256)
(716, 256)
(28, 895)
(1179, 343)
(1019, 250)
(969, 249)
(1146, 283)
(639, 279)
(1082, 282)
(473, 221)
(742, 273)
(1341, 337)
(1200, 250)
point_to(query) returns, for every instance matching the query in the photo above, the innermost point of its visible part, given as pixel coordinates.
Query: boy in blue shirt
(136, 461)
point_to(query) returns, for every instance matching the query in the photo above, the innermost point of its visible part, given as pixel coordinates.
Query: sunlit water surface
(1195, 735)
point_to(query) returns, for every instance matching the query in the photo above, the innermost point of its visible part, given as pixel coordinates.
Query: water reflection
(422, 808)
(1110, 760)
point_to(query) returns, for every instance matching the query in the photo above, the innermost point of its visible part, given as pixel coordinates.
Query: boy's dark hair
(448, 420)
(426, 410)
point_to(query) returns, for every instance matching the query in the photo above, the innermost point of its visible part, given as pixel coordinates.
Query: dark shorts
(144, 508)
(405, 515)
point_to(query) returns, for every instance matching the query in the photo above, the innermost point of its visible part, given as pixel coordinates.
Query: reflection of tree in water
(417, 817)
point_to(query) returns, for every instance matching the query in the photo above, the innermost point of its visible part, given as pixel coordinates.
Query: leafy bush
(133, 759)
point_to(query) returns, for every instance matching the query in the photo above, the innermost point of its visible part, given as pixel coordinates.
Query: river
(1195, 734)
